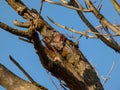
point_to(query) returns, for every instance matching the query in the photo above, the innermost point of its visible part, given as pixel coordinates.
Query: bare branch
(25, 40)
(79, 4)
(52, 80)
(105, 79)
(109, 34)
(116, 5)
(10, 81)
(72, 30)
(102, 19)
(115, 47)
(14, 31)
(68, 6)
(100, 27)
(100, 5)
(63, 85)
(41, 5)
(22, 24)
(22, 9)
(85, 33)
(20, 67)
(25, 73)
(60, 55)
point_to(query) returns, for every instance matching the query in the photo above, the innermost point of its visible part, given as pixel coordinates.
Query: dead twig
(101, 18)
(68, 6)
(41, 5)
(14, 31)
(71, 29)
(25, 73)
(116, 5)
(25, 40)
(22, 24)
(100, 5)
(85, 33)
(21, 68)
(49, 76)
(105, 79)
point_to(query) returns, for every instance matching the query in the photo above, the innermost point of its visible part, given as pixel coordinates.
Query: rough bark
(58, 55)
(12, 82)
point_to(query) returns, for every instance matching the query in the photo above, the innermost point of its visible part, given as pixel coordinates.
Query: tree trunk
(58, 55)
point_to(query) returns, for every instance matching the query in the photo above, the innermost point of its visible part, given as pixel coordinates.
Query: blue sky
(95, 51)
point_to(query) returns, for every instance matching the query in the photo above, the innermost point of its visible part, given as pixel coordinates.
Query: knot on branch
(21, 10)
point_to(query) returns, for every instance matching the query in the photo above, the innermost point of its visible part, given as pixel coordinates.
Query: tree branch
(102, 19)
(116, 5)
(56, 67)
(14, 31)
(68, 5)
(25, 73)
(12, 82)
(72, 30)
(22, 24)
(105, 79)
(85, 33)
(109, 43)
(59, 55)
